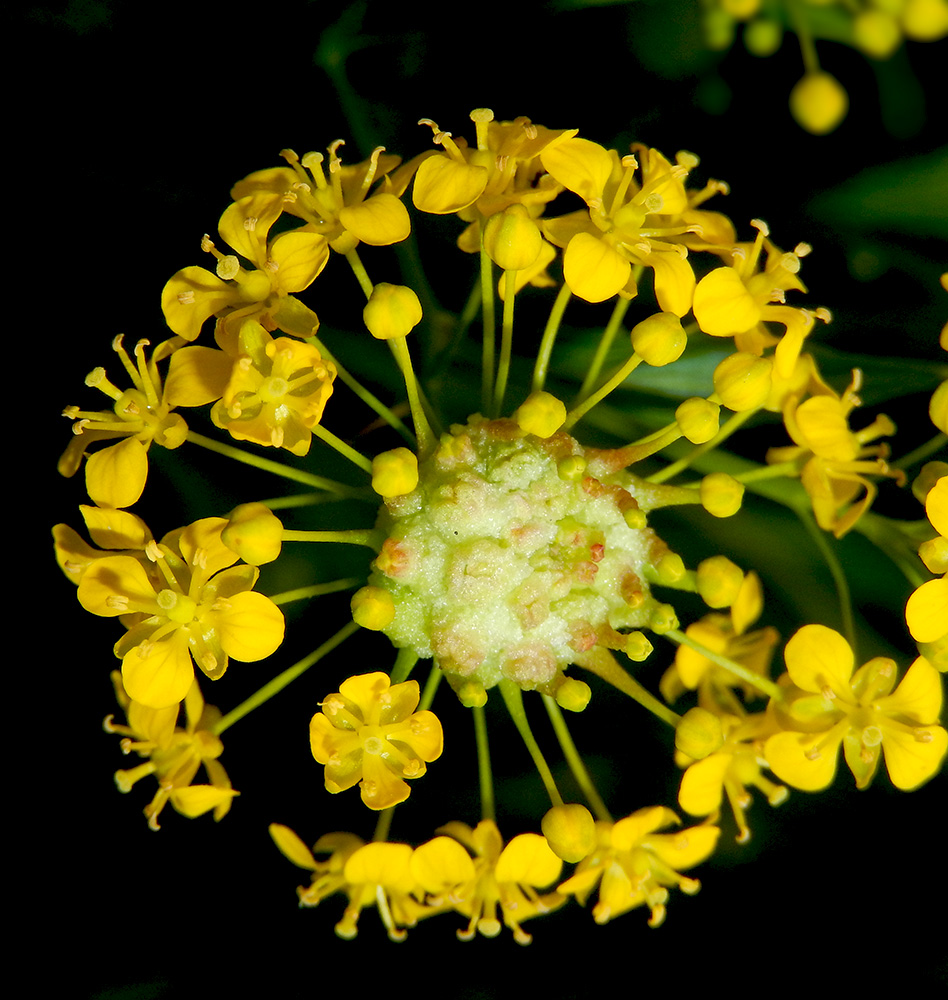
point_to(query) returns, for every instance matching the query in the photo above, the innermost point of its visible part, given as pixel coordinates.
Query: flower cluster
(510, 546)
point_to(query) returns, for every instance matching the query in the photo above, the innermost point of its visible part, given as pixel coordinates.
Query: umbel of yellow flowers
(514, 557)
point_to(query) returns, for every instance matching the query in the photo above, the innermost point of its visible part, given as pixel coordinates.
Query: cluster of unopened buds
(511, 555)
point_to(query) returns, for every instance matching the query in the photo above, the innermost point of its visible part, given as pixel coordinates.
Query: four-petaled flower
(827, 706)
(369, 733)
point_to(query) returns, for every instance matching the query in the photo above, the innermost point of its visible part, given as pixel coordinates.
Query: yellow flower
(376, 874)
(490, 876)
(835, 460)
(276, 392)
(339, 207)
(828, 706)
(627, 223)
(174, 754)
(286, 264)
(117, 530)
(370, 733)
(116, 475)
(189, 604)
(738, 301)
(632, 864)
(735, 765)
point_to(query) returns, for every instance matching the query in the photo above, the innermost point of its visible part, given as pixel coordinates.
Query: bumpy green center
(516, 555)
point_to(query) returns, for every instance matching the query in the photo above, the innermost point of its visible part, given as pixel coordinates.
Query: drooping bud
(819, 102)
(721, 494)
(719, 581)
(255, 533)
(512, 239)
(660, 339)
(372, 608)
(392, 311)
(699, 733)
(570, 831)
(572, 695)
(395, 472)
(699, 419)
(743, 381)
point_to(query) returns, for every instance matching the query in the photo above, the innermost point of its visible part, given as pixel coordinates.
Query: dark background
(130, 128)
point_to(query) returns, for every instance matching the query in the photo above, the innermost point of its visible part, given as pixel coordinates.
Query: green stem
(404, 664)
(733, 423)
(488, 323)
(605, 342)
(431, 687)
(513, 698)
(506, 342)
(574, 760)
(370, 537)
(277, 468)
(370, 400)
(383, 825)
(484, 776)
(578, 412)
(345, 450)
(426, 438)
(763, 685)
(279, 682)
(921, 452)
(836, 570)
(358, 269)
(549, 337)
(603, 664)
(316, 590)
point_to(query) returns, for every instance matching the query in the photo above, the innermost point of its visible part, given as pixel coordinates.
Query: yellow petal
(116, 585)
(441, 865)
(251, 628)
(444, 185)
(927, 611)
(674, 281)
(158, 674)
(195, 800)
(245, 223)
(786, 755)
(593, 270)
(722, 304)
(300, 256)
(685, 849)
(384, 864)
(909, 761)
(197, 375)
(379, 221)
(818, 656)
(580, 165)
(918, 696)
(381, 788)
(292, 846)
(191, 297)
(702, 785)
(115, 476)
(936, 506)
(115, 529)
(529, 860)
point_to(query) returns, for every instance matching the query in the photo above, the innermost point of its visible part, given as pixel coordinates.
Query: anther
(761, 226)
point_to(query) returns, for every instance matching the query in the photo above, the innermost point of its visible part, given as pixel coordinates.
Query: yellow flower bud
(394, 473)
(541, 414)
(472, 694)
(699, 733)
(925, 20)
(819, 102)
(254, 532)
(637, 647)
(573, 695)
(938, 408)
(926, 612)
(512, 239)
(372, 607)
(721, 494)
(763, 36)
(699, 419)
(876, 33)
(743, 381)
(741, 10)
(719, 581)
(570, 831)
(392, 311)
(660, 339)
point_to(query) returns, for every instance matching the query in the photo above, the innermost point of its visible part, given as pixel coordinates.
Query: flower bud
(570, 831)
(763, 36)
(699, 733)
(660, 339)
(394, 473)
(392, 311)
(819, 102)
(721, 494)
(743, 381)
(572, 695)
(699, 419)
(876, 33)
(938, 408)
(719, 581)
(925, 20)
(373, 608)
(512, 239)
(637, 646)
(254, 532)
(541, 414)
